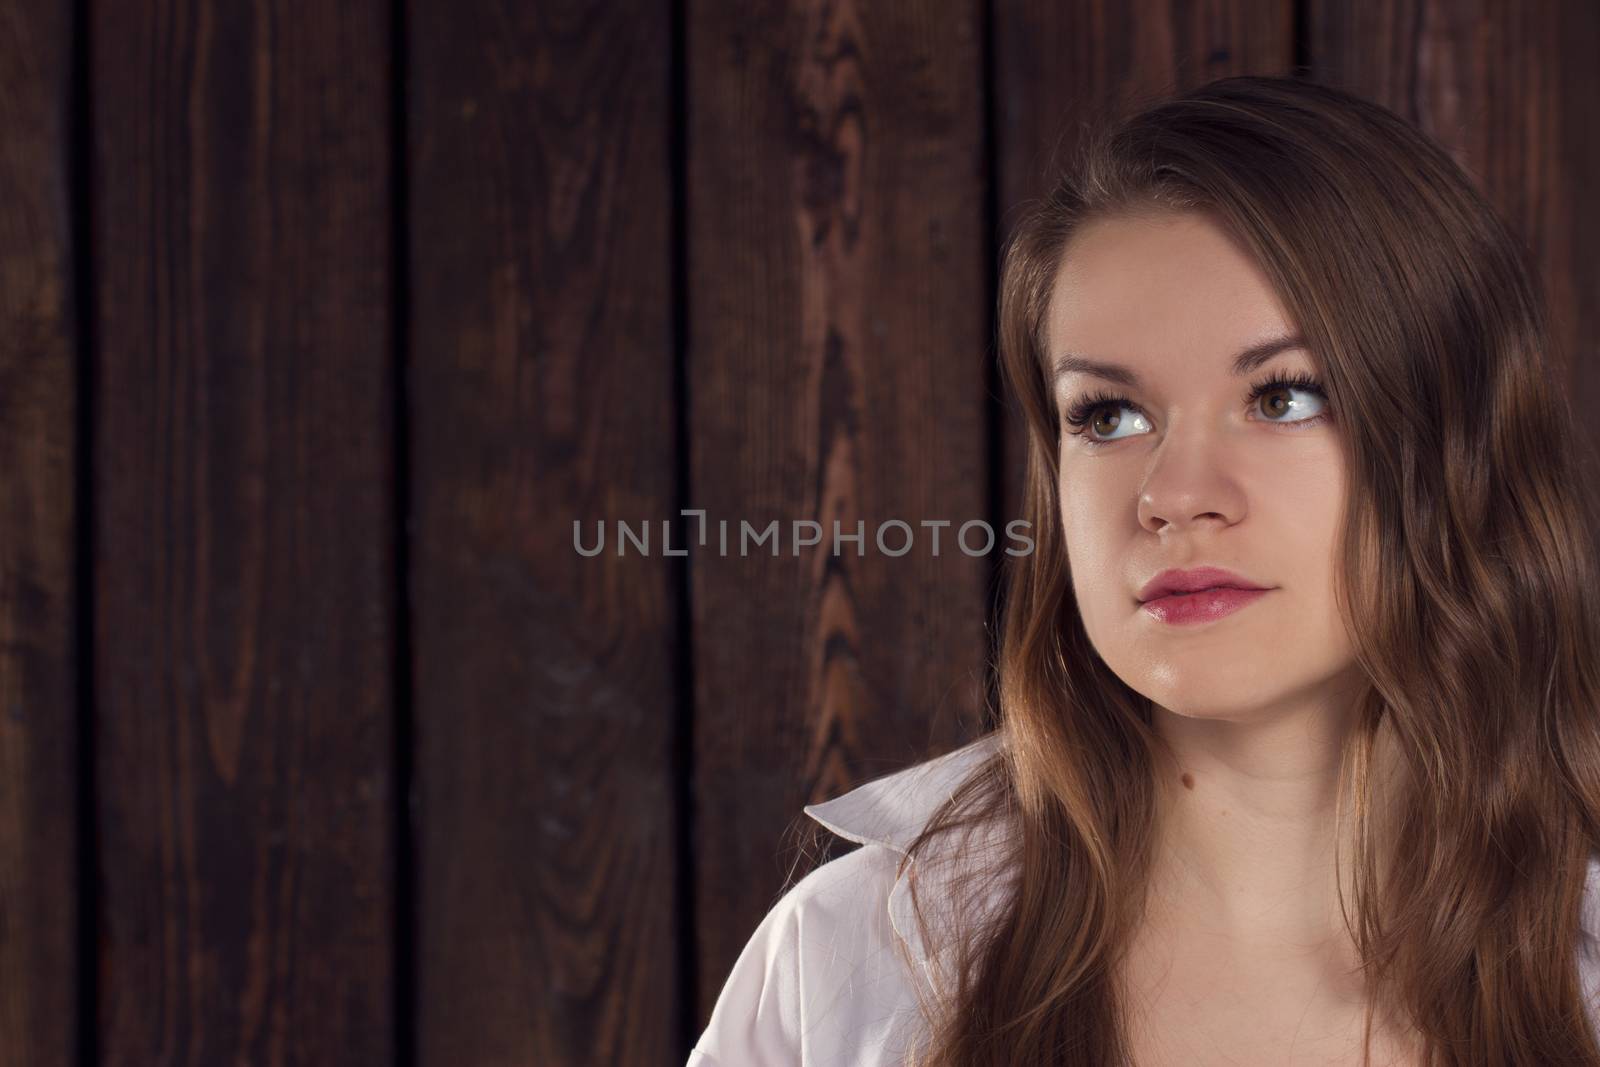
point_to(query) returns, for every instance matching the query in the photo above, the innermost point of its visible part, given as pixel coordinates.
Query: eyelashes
(1080, 413)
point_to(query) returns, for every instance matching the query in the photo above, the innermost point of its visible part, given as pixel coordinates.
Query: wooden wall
(319, 326)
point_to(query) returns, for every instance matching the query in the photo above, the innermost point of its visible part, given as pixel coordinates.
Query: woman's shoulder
(827, 976)
(820, 979)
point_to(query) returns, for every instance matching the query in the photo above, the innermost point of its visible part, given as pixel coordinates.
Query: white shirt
(821, 982)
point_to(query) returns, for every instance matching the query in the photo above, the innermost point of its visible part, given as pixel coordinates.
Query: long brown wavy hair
(1466, 576)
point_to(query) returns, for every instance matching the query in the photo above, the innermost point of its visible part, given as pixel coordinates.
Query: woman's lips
(1201, 606)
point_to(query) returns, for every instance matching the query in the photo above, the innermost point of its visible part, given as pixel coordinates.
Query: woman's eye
(1277, 402)
(1106, 420)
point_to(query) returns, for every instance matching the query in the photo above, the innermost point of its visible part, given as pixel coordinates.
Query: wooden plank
(836, 372)
(39, 876)
(542, 280)
(1513, 93)
(1059, 64)
(243, 538)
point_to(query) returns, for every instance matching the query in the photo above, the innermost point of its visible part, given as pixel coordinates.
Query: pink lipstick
(1198, 594)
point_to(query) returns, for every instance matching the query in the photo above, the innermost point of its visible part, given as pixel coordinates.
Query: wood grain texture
(243, 542)
(543, 392)
(837, 288)
(1512, 91)
(39, 876)
(1058, 65)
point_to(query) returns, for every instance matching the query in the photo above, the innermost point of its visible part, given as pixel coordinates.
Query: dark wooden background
(320, 323)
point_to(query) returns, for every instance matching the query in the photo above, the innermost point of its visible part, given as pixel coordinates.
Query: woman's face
(1191, 472)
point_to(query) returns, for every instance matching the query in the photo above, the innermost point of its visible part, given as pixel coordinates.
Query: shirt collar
(893, 809)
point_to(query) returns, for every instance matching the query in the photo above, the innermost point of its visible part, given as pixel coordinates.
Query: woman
(1298, 757)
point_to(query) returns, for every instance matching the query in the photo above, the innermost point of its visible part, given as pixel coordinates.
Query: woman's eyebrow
(1243, 363)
